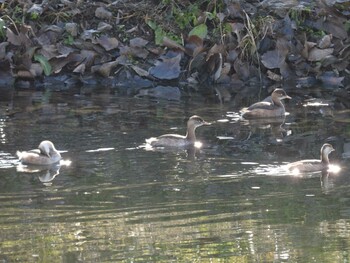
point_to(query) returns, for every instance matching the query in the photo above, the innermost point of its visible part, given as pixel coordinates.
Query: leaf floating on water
(168, 68)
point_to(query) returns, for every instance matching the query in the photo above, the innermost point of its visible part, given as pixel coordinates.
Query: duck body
(170, 140)
(271, 107)
(313, 165)
(305, 166)
(46, 154)
(176, 140)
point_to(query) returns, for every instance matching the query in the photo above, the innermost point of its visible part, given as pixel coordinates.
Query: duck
(176, 140)
(270, 107)
(312, 165)
(46, 154)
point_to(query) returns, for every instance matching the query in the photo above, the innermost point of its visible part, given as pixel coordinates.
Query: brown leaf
(102, 13)
(104, 69)
(3, 46)
(316, 54)
(242, 69)
(325, 42)
(272, 59)
(216, 49)
(138, 42)
(103, 27)
(36, 70)
(194, 45)
(48, 51)
(13, 38)
(139, 71)
(273, 76)
(330, 80)
(167, 42)
(63, 50)
(108, 43)
(168, 68)
(25, 74)
(80, 69)
(133, 51)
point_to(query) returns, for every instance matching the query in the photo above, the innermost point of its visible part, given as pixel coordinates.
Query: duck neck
(278, 103)
(324, 158)
(191, 135)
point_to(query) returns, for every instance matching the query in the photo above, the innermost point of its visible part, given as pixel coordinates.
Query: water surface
(227, 202)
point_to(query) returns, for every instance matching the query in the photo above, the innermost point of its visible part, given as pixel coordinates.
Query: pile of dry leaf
(232, 43)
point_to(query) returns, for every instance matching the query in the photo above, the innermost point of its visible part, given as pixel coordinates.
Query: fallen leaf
(103, 13)
(138, 52)
(80, 68)
(331, 79)
(272, 59)
(242, 69)
(102, 27)
(48, 51)
(108, 43)
(3, 46)
(167, 68)
(13, 38)
(35, 9)
(36, 69)
(273, 76)
(138, 42)
(325, 41)
(104, 69)
(194, 45)
(139, 71)
(316, 54)
(167, 42)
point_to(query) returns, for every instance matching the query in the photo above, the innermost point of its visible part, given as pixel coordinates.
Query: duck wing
(264, 105)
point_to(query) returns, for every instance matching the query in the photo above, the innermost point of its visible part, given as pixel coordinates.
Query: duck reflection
(275, 125)
(190, 151)
(46, 173)
(327, 182)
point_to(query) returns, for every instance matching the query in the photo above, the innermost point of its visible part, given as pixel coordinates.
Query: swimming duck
(176, 140)
(312, 165)
(46, 154)
(272, 106)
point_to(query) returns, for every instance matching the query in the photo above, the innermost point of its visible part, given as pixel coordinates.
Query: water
(227, 202)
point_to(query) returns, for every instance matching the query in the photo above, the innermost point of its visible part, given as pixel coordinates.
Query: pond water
(116, 201)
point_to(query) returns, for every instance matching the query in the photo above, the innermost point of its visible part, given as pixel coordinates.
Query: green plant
(160, 33)
(69, 40)
(2, 29)
(44, 64)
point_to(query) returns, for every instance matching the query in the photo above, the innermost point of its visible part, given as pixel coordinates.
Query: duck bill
(206, 123)
(287, 97)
